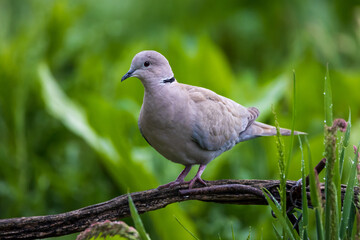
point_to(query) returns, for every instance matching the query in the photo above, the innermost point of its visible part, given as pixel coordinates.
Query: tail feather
(258, 129)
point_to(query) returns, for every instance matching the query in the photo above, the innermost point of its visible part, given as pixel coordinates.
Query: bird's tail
(258, 129)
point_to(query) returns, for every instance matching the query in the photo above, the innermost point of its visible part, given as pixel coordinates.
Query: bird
(187, 124)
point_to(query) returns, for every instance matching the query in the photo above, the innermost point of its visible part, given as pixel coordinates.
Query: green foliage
(109, 230)
(339, 215)
(315, 195)
(277, 234)
(328, 104)
(305, 214)
(344, 144)
(248, 237)
(232, 232)
(348, 213)
(137, 220)
(331, 200)
(109, 238)
(282, 162)
(185, 228)
(284, 220)
(282, 165)
(292, 123)
(68, 128)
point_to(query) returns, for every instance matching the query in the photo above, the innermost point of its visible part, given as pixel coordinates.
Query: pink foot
(194, 180)
(170, 184)
(182, 176)
(179, 180)
(197, 177)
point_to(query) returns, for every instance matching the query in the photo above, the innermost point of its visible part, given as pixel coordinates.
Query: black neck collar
(169, 80)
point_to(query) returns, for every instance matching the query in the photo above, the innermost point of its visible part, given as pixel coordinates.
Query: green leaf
(292, 125)
(328, 105)
(284, 221)
(332, 178)
(315, 195)
(137, 220)
(331, 212)
(305, 215)
(348, 199)
(232, 232)
(277, 234)
(351, 221)
(193, 235)
(345, 143)
(249, 236)
(313, 189)
(319, 225)
(72, 115)
(281, 164)
(100, 237)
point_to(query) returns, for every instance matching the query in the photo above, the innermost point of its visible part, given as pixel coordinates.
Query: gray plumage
(187, 124)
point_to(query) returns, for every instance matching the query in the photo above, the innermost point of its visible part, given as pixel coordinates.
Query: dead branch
(242, 192)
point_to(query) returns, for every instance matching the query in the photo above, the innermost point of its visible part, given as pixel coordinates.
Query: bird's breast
(167, 125)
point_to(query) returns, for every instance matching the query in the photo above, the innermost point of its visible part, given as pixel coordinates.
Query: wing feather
(218, 121)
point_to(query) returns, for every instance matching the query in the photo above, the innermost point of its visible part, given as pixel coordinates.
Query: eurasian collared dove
(187, 124)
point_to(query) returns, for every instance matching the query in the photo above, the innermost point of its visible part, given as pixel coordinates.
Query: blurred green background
(68, 127)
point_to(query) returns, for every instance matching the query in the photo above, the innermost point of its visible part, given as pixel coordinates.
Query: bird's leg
(179, 179)
(198, 176)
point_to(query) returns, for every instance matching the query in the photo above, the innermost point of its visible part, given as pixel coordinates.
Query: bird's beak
(127, 75)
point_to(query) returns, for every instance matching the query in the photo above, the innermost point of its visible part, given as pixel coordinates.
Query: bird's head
(150, 67)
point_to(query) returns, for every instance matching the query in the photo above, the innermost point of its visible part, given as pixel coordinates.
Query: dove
(186, 124)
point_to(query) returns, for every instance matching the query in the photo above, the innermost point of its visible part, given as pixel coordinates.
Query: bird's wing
(217, 121)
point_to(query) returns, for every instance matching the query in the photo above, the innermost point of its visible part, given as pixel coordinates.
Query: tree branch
(242, 192)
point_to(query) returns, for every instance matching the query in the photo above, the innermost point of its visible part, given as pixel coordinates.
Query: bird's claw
(194, 180)
(170, 185)
(177, 183)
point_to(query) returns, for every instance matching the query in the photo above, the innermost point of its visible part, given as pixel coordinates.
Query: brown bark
(242, 192)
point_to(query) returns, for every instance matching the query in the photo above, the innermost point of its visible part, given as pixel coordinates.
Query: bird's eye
(146, 64)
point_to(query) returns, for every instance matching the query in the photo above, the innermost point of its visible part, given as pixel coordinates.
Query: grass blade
(305, 215)
(351, 221)
(282, 165)
(284, 221)
(292, 125)
(315, 195)
(186, 229)
(249, 236)
(348, 200)
(319, 225)
(328, 106)
(137, 220)
(332, 182)
(331, 202)
(277, 234)
(232, 232)
(345, 143)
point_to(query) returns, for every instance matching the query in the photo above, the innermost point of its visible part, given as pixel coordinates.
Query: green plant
(137, 220)
(338, 215)
(242, 50)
